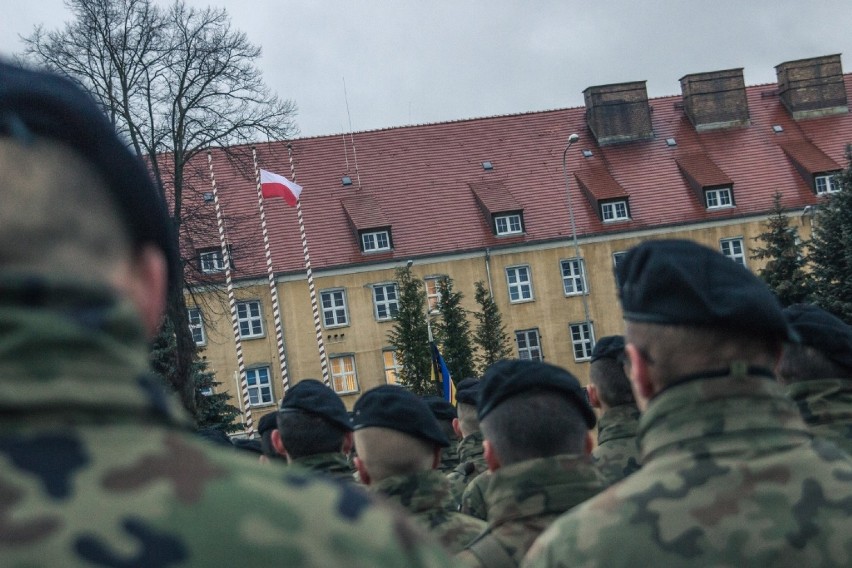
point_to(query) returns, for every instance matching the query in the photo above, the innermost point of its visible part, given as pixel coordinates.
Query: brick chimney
(619, 113)
(715, 100)
(810, 88)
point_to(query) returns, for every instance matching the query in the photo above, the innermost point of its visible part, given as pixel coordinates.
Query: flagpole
(311, 288)
(273, 289)
(232, 302)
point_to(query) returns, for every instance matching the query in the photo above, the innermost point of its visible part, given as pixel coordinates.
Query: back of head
(312, 420)
(467, 398)
(444, 413)
(606, 372)
(825, 351)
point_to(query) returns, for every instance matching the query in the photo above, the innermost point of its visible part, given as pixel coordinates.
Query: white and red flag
(274, 185)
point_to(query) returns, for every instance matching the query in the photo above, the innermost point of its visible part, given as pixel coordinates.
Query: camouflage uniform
(335, 464)
(96, 470)
(449, 457)
(617, 453)
(524, 499)
(471, 463)
(473, 499)
(730, 477)
(426, 495)
(826, 406)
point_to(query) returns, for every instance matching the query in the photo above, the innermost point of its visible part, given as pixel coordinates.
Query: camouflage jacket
(473, 501)
(730, 477)
(471, 464)
(335, 465)
(826, 406)
(426, 496)
(449, 457)
(525, 498)
(98, 467)
(617, 453)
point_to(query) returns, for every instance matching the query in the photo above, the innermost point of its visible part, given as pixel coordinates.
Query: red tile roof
(495, 196)
(809, 157)
(364, 212)
(597, 182)
(702, 171)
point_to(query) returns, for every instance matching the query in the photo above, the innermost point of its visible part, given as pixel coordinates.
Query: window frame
(580, 264)
(739, 258)
(391, 314)
(584, 345)
(375, 234)
(718, 192)
(434, 296)
(392, 370)
(334, 309)
(613, 205)
(348, 376)
(518, 286)
(250, 319)
(527, 333)
(260, 386)
(218, 261)
(830, 182)
(507, 218)
(196, 325)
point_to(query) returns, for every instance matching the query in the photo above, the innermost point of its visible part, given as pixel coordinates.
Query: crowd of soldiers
(723, 421)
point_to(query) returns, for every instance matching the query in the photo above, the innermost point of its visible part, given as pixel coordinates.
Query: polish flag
(273, 185)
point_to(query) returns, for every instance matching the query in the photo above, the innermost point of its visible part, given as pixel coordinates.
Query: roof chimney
(715, 100)
(619, 113)
(811, 88)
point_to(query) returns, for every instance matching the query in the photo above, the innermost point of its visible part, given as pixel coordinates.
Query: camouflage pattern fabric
(826, 406)
(730, 477)
(473, 499)
(335, 465)
(449, 457)
(617, 453)
(471, 464)
(525, 498)
(98, 467)
(426, 496)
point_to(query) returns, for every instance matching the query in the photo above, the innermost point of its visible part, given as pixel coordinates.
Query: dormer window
(614, 211)
(718, 198)
(509, 224)
(826, 183)
(211, 261)
(375, 241)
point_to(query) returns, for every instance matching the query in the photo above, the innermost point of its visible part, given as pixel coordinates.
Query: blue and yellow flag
(439, 369)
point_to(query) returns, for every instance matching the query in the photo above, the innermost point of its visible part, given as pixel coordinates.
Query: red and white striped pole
(232, 302)
(273, 289)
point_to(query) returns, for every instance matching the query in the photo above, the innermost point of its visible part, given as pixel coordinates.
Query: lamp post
(571, 140)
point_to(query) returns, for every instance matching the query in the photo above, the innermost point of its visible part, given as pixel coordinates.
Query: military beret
(267, 422)
(441, 409)
(505, 379)
(467, 391)
(396, 408)
(679, 282)
(822, 331)
(313, 397)
(42, 104)
(609, 347)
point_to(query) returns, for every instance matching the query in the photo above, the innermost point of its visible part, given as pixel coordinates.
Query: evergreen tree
(785, 268)
(830, 249)
(453, 332)
(410, 336)
(490, 335)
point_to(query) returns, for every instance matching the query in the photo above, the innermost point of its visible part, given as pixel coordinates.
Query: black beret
(822, 331)
(313, 397)
(397, 408)
(468, 391)
(609, 347)
(267, 422)
(441, 409)
(505, 379)
(43, 104)
(679, 282)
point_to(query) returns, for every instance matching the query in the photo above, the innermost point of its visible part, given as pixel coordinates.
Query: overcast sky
(407, 62)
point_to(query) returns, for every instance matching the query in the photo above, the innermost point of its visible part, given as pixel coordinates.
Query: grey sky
(407, 62)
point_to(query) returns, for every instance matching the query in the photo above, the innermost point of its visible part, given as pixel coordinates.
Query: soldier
(98, 466)
(471, 460)
(730, 474)
(818, 372)
(445, 414)
(535, 421)
(399, 446)
(265, 426)
(314, 430)
(617, 454)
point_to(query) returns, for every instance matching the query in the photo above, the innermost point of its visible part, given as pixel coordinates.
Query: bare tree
(175, 82)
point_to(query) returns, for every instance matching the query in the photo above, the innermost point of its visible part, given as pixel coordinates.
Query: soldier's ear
(640, 375)
(490, 455)
(278, 443)
(363, 474)
(457, 428)
(348, 442)
(589, 446)
(146, 286)
(593, 395)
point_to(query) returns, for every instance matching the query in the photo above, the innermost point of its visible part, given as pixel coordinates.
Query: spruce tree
(410, 336)
(490, 335)
(784, 252)
(453, 331)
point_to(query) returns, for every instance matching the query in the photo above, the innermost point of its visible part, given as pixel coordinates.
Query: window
(211, 261)
(433, 293)
(196, 325)
(826, 183)
(573, 276)
(614, 211)
(733, 249)
(259, 387)
(391, 366)
(385, 301)
(529, 346)
(248, 318)
(617, 257)
(508, 224)
(520, 286)
(343, 378)
(718, 198)
(582, 339)
(375, 241)
(333, 308)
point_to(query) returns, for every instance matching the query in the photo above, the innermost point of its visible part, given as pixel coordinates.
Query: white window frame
(719, 198)
(211, 261)
(337, 310)
(196, 325)
(614, 211)
(433, 296)
(508, 224)
(526, 350)
(375, 241)
(582, 340)
(575, 274)
(250, 319)
(728, 246)
(343, 380)
(520, 286)
(385, 309)
(826, 183)
(618, 257)
(392, 367)
(259, 386)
